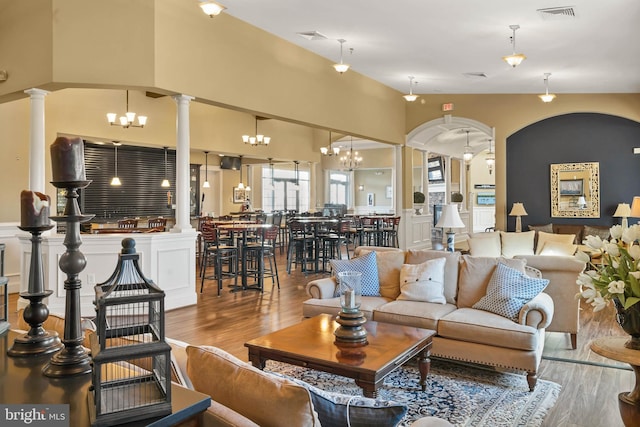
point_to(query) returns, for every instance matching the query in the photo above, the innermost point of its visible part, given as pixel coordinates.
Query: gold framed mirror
(575, 190)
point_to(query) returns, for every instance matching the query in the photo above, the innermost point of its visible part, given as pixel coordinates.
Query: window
(338, 188)
(283, 194)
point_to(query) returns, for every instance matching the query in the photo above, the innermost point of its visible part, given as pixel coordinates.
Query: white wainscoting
(416, 229)
(483, 218)
(8, 235)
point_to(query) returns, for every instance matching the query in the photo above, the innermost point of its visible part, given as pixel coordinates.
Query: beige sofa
(463, 333)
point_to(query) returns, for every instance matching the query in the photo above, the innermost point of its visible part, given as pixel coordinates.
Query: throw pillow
(423, 282)
(543, 238)
(485, 244)
(600, 231)
(266, 400)
(558, 249)
(450, 268)
(547, 228)
(389, 265)
(365, 264)
(339, 410)
(475, 274)
(508, 291)
(517, 243)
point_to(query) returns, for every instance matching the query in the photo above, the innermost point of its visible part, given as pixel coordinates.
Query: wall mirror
(575, 190)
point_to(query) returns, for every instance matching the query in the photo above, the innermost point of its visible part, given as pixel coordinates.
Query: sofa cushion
(517, 243)
(483, 327)
(475, 273)
(366, 264)
(389, 265)
(543, 238)
(485, 244)
(423, 282)
(558, 249)
(574, 229)
(508, 290)
(418, 314)
(451, 268)
(261, 397)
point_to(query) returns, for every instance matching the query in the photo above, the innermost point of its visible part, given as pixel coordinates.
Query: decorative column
(425, 180)
(36, 140)
(447, 180)
(183, 222)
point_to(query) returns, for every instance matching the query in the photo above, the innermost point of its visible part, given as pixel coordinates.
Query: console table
(25, 383)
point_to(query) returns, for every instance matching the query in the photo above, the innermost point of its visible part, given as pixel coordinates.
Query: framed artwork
(388, 192)
(370, 199)
(238, 195)
(571, 187)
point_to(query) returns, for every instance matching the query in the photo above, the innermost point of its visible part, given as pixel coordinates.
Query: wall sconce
(360, 187)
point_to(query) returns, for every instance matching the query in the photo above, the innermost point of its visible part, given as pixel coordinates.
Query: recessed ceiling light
(312, 35)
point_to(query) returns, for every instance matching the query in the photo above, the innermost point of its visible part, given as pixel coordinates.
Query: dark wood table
(628, 402)
(311, 344)
(23, 383)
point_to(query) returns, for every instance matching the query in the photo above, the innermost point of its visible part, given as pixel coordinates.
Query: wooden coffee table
(311, 344)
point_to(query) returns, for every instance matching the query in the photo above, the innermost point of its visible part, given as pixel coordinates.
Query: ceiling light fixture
(258, 139)
(351, 160)
(490, 159)
(342, 67)
(296, 171)
(211, 8)
(515, 58)
(547, 97)
(330, 150)
(468, 151)
(247, 187)
(115, 181)
(128, 119)
(206, 171)
(271, 185)
(165, 182)
(410, 97)
(241, 184)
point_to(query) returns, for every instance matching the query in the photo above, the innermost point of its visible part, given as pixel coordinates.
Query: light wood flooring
(589, 389)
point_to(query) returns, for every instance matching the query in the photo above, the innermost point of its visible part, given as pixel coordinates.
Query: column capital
(33, 92)
(183, 98)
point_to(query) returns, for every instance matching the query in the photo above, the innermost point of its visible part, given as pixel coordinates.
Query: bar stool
(300, 249)
(255, 253)
(218, 255)
(333, 242)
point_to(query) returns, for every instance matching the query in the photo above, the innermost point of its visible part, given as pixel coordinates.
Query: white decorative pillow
(543, 238)
(423, 282)
(485, 244)
(558, 249)
(517, 243)
(508, 290)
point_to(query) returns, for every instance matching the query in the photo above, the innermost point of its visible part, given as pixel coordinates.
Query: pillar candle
(67, 160)
(34, 209)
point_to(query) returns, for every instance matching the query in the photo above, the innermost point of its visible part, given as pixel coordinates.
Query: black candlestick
(73, 358)
(37, 341)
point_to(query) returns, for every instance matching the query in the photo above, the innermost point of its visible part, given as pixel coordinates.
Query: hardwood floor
(589, 395)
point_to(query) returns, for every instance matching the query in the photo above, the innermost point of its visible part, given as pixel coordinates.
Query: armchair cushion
(366, 264)
(558, 249)
(543, 238)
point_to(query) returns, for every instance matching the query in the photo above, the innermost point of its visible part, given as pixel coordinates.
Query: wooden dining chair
(128, 223)
(158, 223)
(217, 255)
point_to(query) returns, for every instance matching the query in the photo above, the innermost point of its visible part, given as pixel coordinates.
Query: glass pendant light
(165, 181)
(547, 97)
(468, 151)
(206, 171)
(115, 181)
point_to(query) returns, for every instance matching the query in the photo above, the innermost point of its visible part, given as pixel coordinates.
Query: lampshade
(517, 210)
(622, 211)
(450, 217)
(582, 202)
(635, 207)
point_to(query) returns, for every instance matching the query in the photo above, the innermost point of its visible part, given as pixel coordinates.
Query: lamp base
(451, 235)
(351, 329)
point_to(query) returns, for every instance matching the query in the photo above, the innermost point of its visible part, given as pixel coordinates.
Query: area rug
(462, 394)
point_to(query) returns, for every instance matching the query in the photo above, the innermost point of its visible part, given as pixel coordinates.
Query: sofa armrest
(218, 415)
(538, 312)
(322, 288)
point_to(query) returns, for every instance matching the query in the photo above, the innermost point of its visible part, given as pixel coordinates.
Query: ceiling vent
(312, 35)
(475, 75)
(561, 12)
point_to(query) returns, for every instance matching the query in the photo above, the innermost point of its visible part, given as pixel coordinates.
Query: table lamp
(451, 219)
(518, 211)
(635, 207)
(582, 202)
(623, 211)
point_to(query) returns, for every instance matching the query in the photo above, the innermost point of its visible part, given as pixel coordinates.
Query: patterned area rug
(462, 394)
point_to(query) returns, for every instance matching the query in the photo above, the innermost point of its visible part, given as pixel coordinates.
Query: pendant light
(491, 158)
(247, 188)
(128, 120)
(330, 150)
(410, 97)
(547, 97)
(468, 151)
(115, 181)
(271, 185)
(206, 171)
(296, 185)
(165, 181)
(211, 8)
(258, 138)
(241, 184)
(515, 58)
(341, 67)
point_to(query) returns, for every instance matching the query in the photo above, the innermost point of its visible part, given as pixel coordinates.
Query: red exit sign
(447, 107)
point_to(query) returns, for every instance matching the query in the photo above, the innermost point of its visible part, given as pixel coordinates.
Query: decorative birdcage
(131, 377)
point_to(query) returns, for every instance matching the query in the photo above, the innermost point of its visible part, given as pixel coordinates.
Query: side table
(613, 348)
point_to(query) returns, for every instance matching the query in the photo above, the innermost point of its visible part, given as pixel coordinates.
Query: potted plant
(456, 197)
(418, 201)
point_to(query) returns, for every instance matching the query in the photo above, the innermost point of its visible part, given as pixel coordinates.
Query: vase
(629, 320)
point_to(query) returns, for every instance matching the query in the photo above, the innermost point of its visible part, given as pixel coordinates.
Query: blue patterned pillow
(365, 264)
(508, 291)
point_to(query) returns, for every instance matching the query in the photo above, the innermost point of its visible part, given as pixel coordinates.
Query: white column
(447, 180)
(183, 222)
(425, 181)
(463, 185)
(36, 140)
(313, 185)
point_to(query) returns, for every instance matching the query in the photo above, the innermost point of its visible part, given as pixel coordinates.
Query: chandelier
(491, 158)
(258, 139)
(515, 58)
(547, 97)
(410, 97)
(128, 119)
(330, 150)
(211, 8)
(351, 160)
(342, 67)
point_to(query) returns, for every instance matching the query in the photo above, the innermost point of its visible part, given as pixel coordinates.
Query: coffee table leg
(424, 365)
(368, 389)
(257, 361)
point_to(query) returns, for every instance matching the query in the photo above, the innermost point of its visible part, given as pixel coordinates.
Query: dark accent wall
(573, 138)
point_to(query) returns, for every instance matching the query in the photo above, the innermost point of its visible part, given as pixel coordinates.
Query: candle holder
(73, 358)
(37, 340)
(350, 317)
